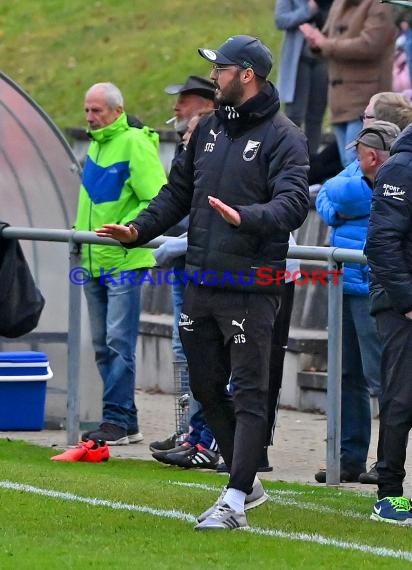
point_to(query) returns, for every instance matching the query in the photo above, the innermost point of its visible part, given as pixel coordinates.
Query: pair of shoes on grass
(189, 456)
(86, 451)
(221, 516)
(113, 434)
(394, 510)
(161, 456)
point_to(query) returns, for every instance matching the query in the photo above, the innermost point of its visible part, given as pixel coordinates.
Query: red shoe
(99, 452)
(87, 451)
(74, 453)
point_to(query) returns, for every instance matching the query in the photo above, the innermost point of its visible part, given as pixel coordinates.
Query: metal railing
(335, 257)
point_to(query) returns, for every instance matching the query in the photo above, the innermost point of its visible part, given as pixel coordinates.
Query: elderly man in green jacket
(122, 173)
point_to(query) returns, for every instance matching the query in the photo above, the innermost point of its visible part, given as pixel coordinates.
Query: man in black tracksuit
(389, 252)
(243, 181)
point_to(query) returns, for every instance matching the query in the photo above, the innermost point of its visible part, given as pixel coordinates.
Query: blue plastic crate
(23, 383)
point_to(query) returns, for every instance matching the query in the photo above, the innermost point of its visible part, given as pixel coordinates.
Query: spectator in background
(351, 188)
(389, 106)
(405, 24)
(401, 78)
(344, 203)
(122, 173)
(386, 106)
(389, 253)
(195, 98)
(358, 42)
(303, 74)
(196, 95)
(199, 448)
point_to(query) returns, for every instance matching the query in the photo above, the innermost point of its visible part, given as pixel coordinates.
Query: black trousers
(279, 344)
(229, 335)
(395, 332)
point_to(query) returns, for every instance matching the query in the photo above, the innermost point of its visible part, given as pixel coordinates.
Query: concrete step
(313, 390)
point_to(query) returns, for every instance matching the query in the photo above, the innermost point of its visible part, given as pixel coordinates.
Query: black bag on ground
(21, 302)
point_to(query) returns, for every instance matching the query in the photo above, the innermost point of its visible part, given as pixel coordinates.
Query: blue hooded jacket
(344, 203)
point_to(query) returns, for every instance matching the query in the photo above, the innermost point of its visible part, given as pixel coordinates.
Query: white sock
(235, 499)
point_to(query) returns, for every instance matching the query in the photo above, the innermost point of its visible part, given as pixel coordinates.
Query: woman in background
(303, 76)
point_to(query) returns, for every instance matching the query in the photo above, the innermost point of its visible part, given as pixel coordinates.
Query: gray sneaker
(223, 517)
(255, 498)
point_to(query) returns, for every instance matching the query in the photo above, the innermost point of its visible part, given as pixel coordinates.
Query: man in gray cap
(344, 204)
(195, 97)
(373, 144)
(243, 181)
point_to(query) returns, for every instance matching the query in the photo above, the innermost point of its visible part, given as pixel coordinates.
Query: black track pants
(395, 332)
(228, 335)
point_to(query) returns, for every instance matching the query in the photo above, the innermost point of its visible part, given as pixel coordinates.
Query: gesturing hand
(230, 215)
(125, 234)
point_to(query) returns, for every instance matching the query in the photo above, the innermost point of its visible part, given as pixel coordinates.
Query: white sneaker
(135, 437)
(223, 517)
(255, 498)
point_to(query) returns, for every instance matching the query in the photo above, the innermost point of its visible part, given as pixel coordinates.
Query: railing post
(333, 405)
(73, 350)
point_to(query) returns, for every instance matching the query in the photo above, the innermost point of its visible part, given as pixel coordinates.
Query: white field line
(278, 498)
(215, 488)
(179, 515)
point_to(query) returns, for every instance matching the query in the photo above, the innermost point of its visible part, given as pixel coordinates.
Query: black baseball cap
(194, 84)
(245, 51)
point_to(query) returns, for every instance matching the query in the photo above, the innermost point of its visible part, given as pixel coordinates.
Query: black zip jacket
(389, 242)
(255, 160)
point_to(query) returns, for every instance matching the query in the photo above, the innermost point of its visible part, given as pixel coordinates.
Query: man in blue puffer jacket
(344, 204)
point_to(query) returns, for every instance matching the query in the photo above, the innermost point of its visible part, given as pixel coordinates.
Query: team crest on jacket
(251, 149)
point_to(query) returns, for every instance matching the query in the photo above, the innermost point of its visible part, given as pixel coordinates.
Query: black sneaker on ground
(165, 445)
(345, 476)
(162, 455)
(369, 477)
(195, 457)
(112, 434)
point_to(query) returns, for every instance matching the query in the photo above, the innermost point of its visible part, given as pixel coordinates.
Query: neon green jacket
(122, 173)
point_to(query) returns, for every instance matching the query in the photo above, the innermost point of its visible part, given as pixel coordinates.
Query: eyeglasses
(221, 68)
(366, 116)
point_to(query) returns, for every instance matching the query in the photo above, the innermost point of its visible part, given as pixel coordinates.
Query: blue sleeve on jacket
(348, 196)
(288, 16)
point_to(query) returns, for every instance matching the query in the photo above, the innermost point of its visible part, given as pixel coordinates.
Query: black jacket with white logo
(389, 241)
(255, 160)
